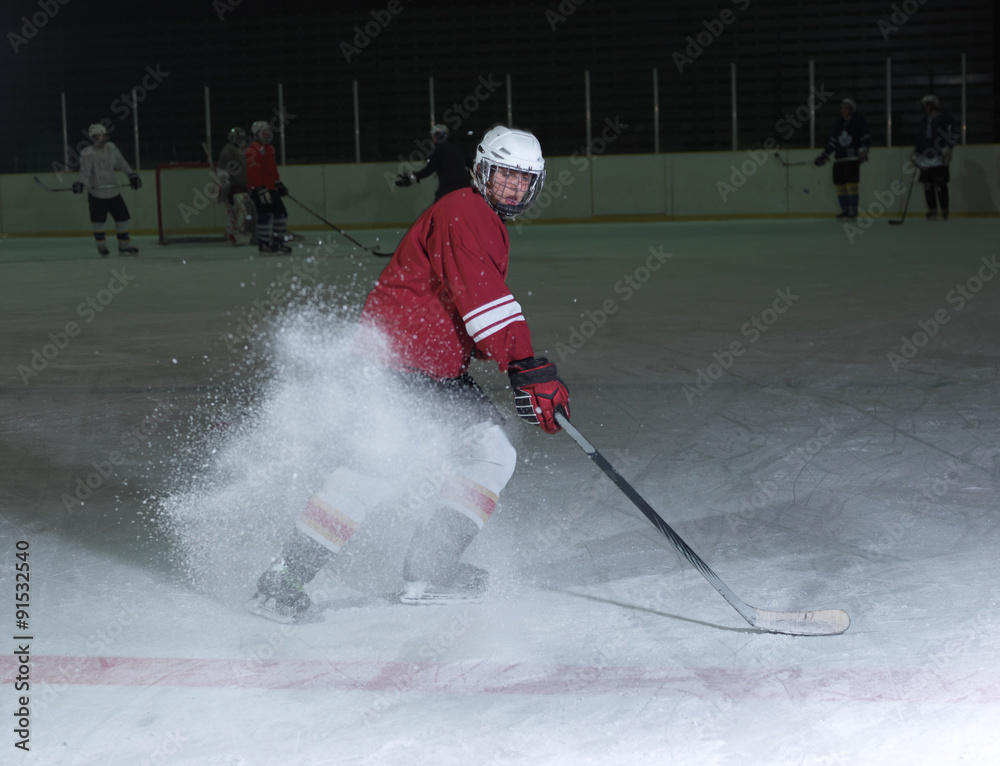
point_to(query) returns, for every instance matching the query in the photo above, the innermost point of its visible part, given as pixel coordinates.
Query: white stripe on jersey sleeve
(492, 317)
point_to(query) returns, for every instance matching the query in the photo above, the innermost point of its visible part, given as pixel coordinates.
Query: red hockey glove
(538, 392)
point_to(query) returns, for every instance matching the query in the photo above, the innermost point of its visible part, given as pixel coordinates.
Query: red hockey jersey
(443, 295)
(262, 168)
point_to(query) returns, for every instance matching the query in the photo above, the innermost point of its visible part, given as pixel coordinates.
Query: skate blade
(428, 600)
(420, 594)
(264, 606)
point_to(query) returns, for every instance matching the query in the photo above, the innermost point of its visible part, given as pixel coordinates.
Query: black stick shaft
(745, 610)
(906, 202)
(334, 227)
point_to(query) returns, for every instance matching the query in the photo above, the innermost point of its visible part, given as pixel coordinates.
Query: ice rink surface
(818, 418)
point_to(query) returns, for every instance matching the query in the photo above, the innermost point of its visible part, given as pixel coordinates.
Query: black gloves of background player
(261, 195)
(538, 392)
(407, 179)
(280, 188)
(134, 181)
(822, 159)
(78, 187)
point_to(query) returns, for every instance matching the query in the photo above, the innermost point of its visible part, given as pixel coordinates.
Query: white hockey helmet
(931, 99)
(262, 131)
(512, 149)
(440, 132)
(851, 104)
(97, 130)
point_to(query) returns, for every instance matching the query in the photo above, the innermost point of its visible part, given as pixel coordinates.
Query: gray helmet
(262, 131)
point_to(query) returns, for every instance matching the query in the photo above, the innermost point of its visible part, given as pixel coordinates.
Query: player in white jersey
(98, 164)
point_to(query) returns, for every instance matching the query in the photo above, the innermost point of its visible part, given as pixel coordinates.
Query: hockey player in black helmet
(932, 154)
(849, 144)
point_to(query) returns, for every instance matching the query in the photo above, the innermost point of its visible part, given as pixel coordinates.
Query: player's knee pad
(339, 507)
(484, 464)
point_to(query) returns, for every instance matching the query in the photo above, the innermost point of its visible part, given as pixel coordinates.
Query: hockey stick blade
(823, 622)
(49, 188)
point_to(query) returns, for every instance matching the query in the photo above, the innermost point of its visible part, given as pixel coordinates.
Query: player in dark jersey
(441, 300)
(448, 160)
(849, 144)
(932, 154)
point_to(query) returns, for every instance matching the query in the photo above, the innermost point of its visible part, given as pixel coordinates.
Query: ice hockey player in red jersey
(441, 300)
(266, 190)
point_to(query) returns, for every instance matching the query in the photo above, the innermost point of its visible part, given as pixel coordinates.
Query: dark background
(97, 50)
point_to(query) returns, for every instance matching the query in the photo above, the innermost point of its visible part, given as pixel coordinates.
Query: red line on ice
(515, 678)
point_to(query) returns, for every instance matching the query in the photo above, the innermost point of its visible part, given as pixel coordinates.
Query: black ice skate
(280, 595)
(432, 572)
(280, 592)
(128, 250)
(467, 588)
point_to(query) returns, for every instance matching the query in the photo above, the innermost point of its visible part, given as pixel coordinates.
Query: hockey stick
(340, 231)
(70, 188)
(823, 622)
(906, 204)
(788, 164)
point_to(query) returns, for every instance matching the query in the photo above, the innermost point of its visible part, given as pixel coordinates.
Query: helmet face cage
(97, 131)
(486, 172)
(519, 154)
